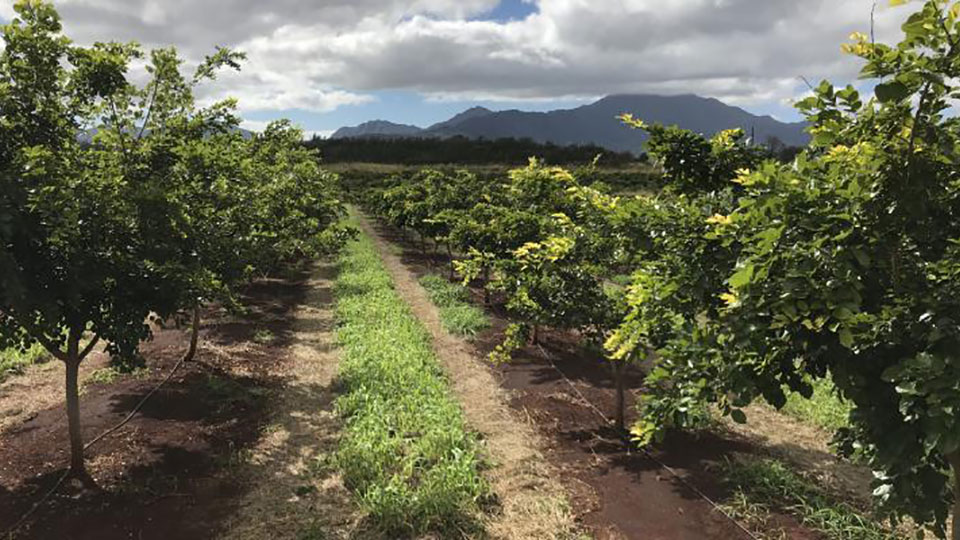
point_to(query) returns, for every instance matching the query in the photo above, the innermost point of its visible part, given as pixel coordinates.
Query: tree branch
(146, 119)
(86, 350)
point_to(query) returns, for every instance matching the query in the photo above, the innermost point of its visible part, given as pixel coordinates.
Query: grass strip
(764, 485)
(405, 452)
(457, 314)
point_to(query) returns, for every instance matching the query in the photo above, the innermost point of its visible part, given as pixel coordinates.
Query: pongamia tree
(118, 202)
(72, 266)
(848, 268)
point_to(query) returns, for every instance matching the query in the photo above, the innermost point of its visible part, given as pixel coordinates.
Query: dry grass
(293, 495)
(38, 388)
(533, 502)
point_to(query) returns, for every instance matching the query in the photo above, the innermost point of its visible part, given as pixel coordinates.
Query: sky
(330, 63)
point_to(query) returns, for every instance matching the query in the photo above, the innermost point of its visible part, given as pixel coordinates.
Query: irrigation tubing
(186, 358)
(650, 456)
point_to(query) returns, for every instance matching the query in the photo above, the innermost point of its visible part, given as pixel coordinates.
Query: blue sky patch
(510, 10)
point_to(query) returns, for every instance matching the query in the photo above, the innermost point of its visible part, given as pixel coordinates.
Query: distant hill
(595, 123)
(377, 128)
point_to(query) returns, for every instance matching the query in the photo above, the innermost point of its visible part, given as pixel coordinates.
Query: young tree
(71, 264)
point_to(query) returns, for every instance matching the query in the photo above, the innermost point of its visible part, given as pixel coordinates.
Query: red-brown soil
(167, 473)
(616, 490)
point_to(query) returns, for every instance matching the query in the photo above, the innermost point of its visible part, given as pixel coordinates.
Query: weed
(765, 485)
(224, 393)
(457, 314)
(264, 336)
(405, 452)
(14, 360)
(105, 375)
(824, 408)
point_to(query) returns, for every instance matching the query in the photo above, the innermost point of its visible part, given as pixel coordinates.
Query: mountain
(377, 128)
(596, 123)
(451, 124)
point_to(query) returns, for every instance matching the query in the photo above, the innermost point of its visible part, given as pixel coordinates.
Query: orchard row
(120, 203)
(750, 278)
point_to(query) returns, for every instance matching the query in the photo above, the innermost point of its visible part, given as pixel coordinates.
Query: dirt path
(534, 504)
(290, 494)
(228, 447)
(616, 492)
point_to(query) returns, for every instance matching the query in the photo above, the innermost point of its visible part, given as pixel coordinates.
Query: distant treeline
(463, 151)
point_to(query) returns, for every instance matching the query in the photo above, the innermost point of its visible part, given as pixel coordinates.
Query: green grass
(405, 452)
(105, 375)
(762, 486)
(823, 409)
(457, 314)
(264, 336)
(14, 360)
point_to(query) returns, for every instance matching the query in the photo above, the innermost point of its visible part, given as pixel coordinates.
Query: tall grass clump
(766, 485)
(457, 314)
(14, 360)
(824, 408)
(405, 451)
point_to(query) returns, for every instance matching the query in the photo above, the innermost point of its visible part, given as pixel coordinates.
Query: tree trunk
(450, 256)
(536, 334)
(486, 290)
(72, 362)
(194, 334)
(954, 460)
(619, 369)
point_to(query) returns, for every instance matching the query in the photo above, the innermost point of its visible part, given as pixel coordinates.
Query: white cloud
(319, 55)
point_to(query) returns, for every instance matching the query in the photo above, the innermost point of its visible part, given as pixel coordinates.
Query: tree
(71, 262)
(118, 202)
(846, 267)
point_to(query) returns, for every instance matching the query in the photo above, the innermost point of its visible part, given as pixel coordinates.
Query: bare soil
(182, 468)
(615, 490)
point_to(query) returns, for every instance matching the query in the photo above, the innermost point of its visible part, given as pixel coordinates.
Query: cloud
(320, 55)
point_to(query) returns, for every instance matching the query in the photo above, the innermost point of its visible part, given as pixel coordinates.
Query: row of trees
(462, 151)
(751, 278)
(121, 202)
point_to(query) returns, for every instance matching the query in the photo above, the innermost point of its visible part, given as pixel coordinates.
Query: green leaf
(742, 277)
(891, 91)
(738, 416)
(846, 338)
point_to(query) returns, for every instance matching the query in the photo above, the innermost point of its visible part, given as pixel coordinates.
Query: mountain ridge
(595, 123)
